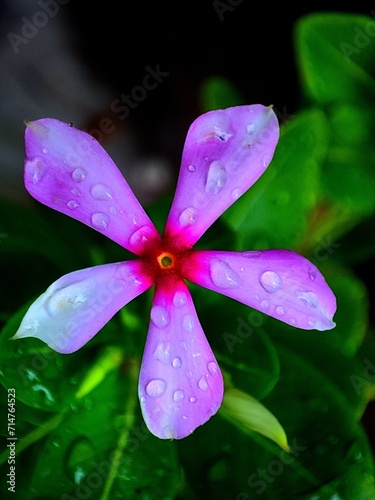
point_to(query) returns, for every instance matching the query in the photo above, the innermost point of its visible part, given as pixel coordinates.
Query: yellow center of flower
(166, 261)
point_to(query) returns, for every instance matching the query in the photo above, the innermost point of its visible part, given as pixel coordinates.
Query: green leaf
(273, 213)
(335, 56)
(244, 410)
(41, 377)
(240, 342)
(217, 92)
(348, 176)
(77, 459)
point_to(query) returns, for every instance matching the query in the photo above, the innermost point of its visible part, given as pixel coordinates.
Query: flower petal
(76, 306)
(279, 283)
(69, 171)
(225, 152)
(180, 384)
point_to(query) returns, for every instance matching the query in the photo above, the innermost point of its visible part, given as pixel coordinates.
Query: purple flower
(180, 383)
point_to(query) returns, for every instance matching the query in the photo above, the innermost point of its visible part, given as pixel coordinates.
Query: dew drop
(38, 169)
(188, 217)
(179, 299)
(176, 363)
(270, 281)
(203, 384)
(264, 304)
(142, 235)
(309, 299)
(163, 352)
(312, 274)
(143, 399)
(250, 129)
(160, 316)
(191, 168)
(178, 396)
(311, 322)
(156, 388)
(236, 193)
(280, 310)
(75, 192)
(223, 276)
(188, 323)
(101, 192)
(72, 204)
(212, 367)
(79, 174)
(216, 178)
(220, 134)
(113, 210)
(45, 151)
(193, 399)
(100, 220)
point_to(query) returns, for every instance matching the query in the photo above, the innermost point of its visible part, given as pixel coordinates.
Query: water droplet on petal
(216, 178)
(223, 276)
(100, 220)
(79, 174)
(220, 134)
(142, 235)
(236, 193)
(160, 316)
(179, 299)
(156, 388)
(188, 323)
(264, 304)
(163, 352)
(188, 217)
(38, 169)
(308, 298)
(45, 151)
(72, 204)
(203, 384)
(101, 192)
(191, 168)
(270, 281)
(193, 399)
(311, 321)
(250, 128)
(312, 274)
(212, 367)
(176, 363)
(75, 192)
(178, 396)
(280, 310)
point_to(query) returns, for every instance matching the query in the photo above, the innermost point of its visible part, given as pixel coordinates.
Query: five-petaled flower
(180, 383)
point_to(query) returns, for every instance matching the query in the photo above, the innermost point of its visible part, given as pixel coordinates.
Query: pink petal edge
(279, 283)
(180, 383)
(69, 171)
(76, 306)
(225, 152)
